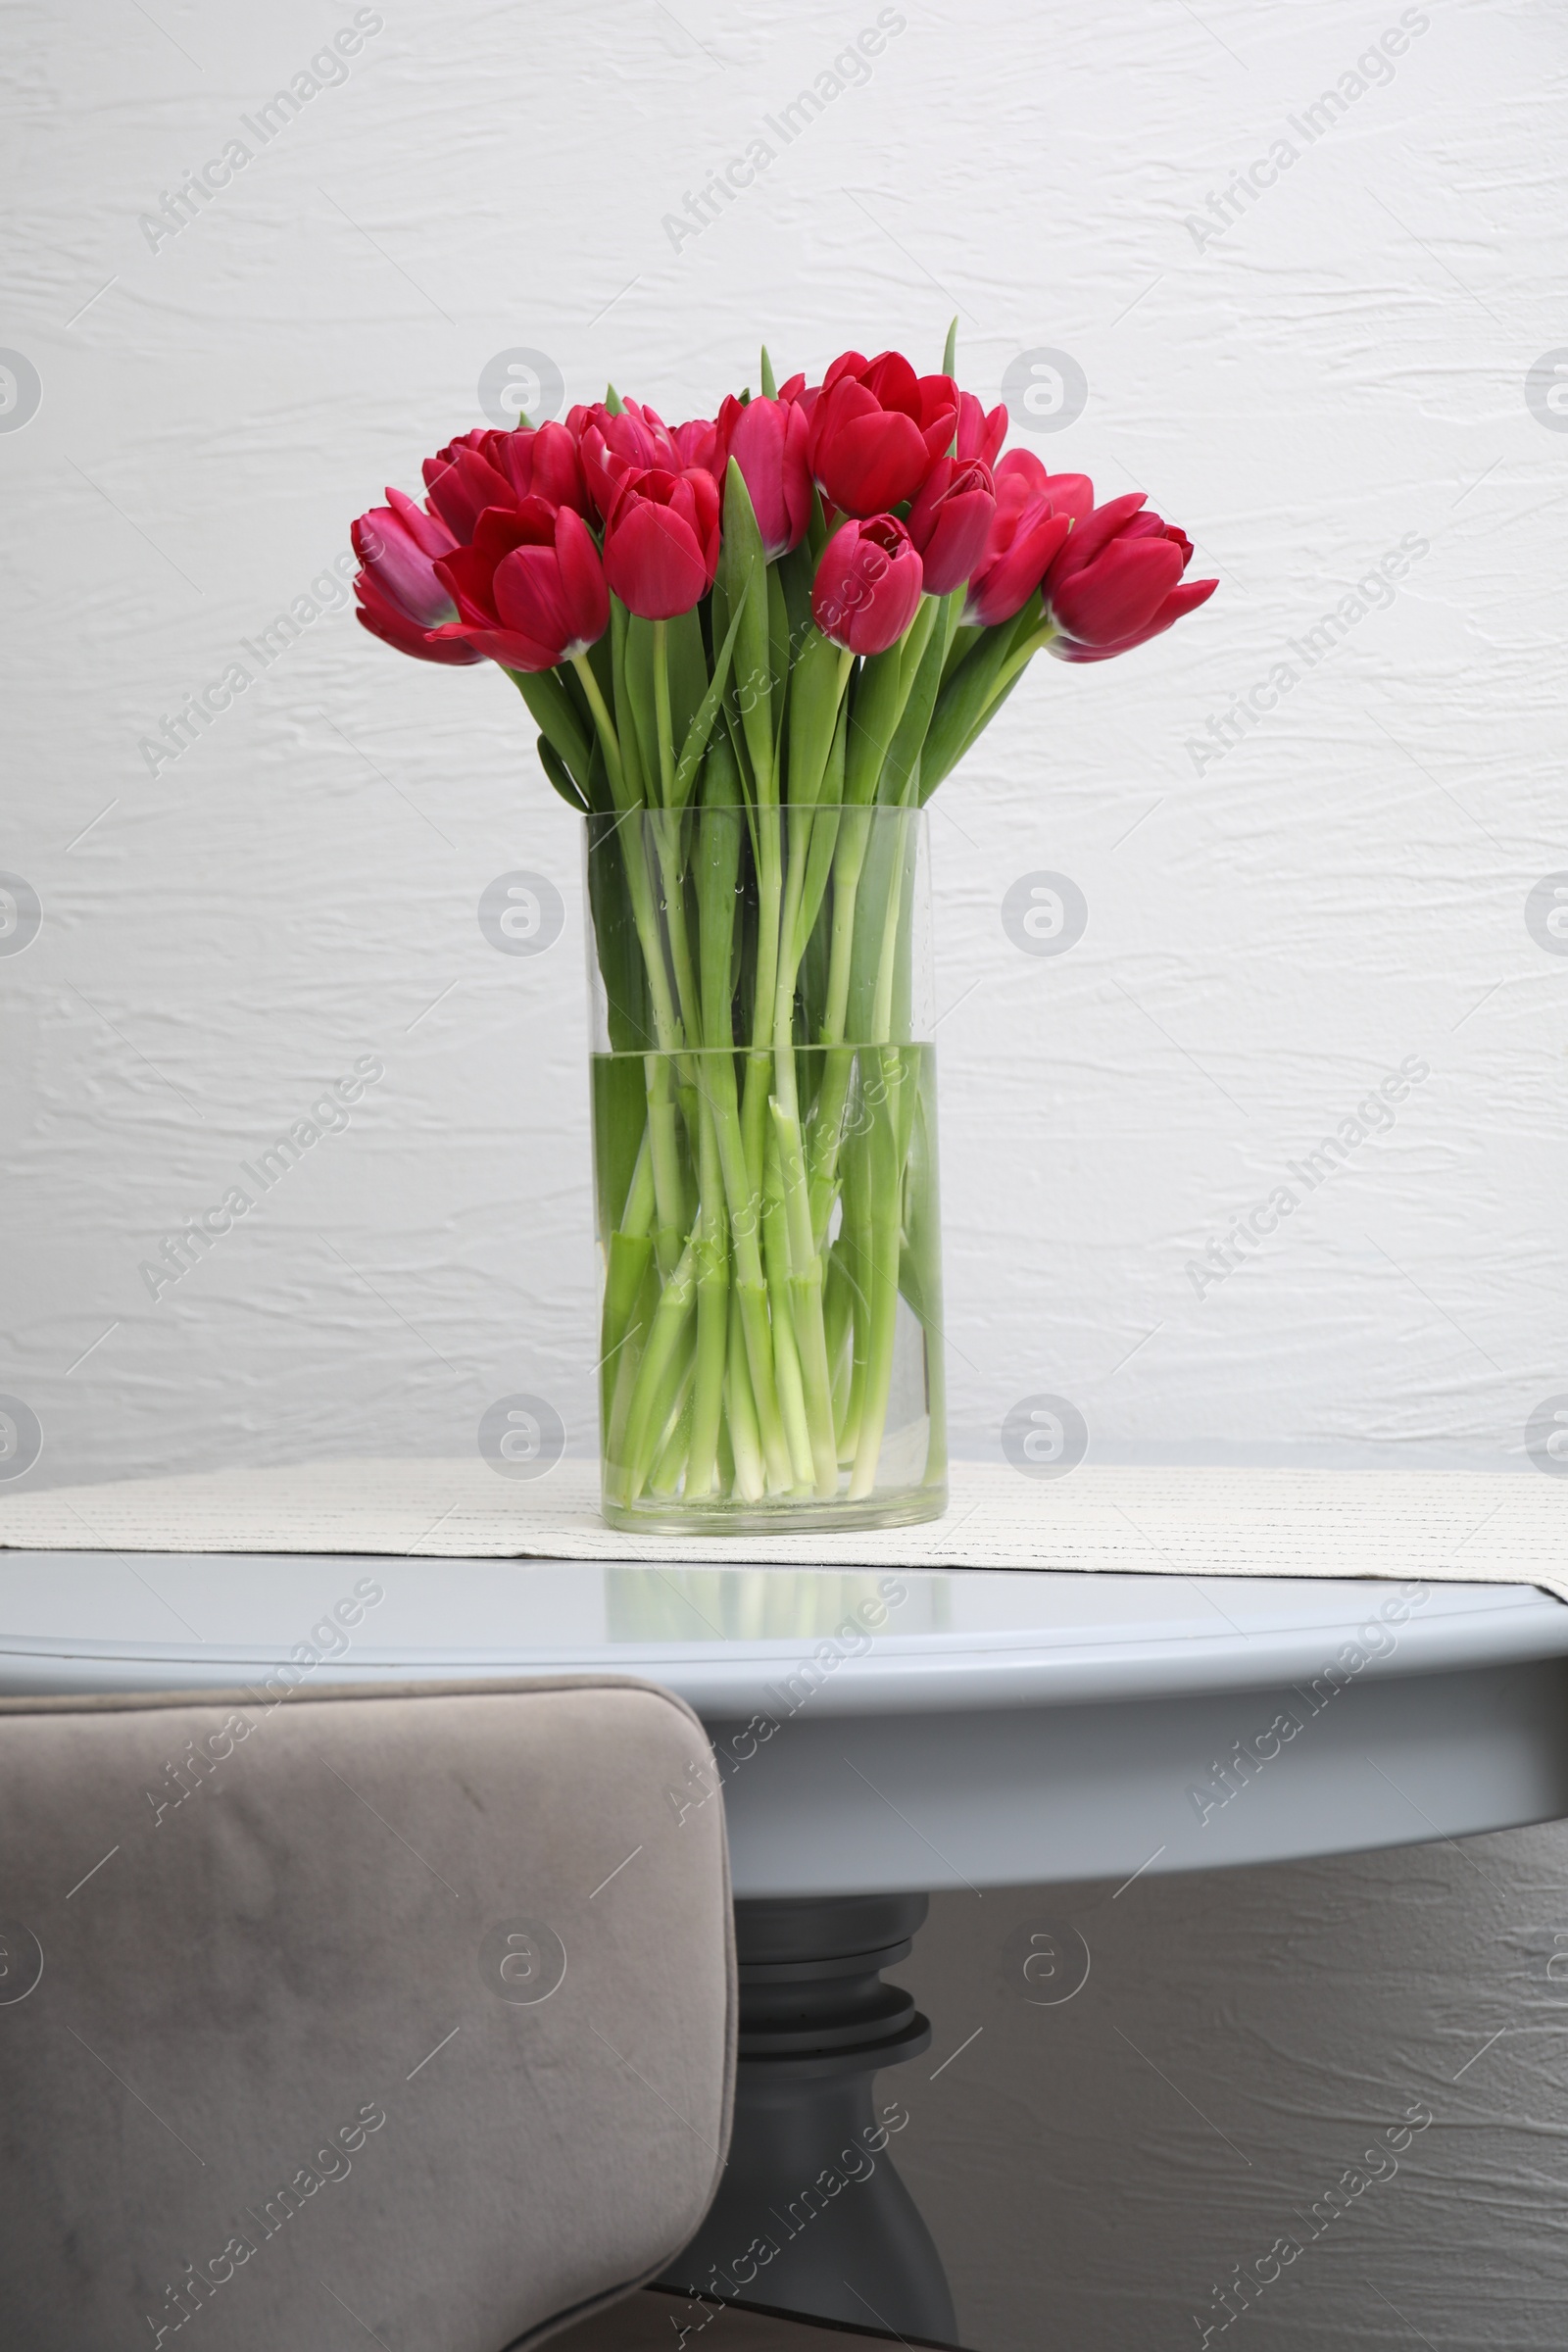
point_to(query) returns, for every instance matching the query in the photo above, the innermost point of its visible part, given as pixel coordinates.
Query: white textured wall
(1338, 371)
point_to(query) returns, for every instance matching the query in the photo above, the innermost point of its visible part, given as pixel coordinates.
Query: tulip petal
(653, 561)
(871, 462)
(462, 485)
(582, 579)
(1097, 530)
(1117, 594)
(395, 630)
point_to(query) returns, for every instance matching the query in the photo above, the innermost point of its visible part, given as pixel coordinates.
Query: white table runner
(1459, 1526)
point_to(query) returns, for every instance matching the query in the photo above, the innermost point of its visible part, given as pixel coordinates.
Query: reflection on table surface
(185, 1602)
(772, 1605)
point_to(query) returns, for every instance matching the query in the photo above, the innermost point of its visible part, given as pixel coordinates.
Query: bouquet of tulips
(752, 647)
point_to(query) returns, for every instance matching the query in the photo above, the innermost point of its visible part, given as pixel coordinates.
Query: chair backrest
(402, 2015)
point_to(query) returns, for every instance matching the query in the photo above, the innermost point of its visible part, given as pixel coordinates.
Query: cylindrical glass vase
(765, 1169)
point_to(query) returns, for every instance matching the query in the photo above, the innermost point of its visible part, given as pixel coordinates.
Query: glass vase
(763, 1092)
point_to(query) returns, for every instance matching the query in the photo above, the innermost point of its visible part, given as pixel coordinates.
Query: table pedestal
(810, 2215)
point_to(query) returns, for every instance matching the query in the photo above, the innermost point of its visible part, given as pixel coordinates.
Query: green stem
(786, 1360)
(712, 1315)
(882, 1301)
(667, 732)
(663, 1134)
(751, 1470)
(665, 1475)
(658, 1375)
(1017, 660)
(769, 892)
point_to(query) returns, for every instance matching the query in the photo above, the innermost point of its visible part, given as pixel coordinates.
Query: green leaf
(962, 706)
(930, 781)
(614, 402)
(769, 388)
(950, 350)
(904, 751)
(743, 570)
(816, 688)
(642, 698)
(715, 869)
(795, 572)
(964, 637)
(625, 726)
(688, 668)
(555, 716)
(560, 775)
(872, 720)
(616, 947)
(702, 725)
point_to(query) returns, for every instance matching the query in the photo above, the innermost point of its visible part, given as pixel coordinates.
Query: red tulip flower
(661, 541)
(400, 598)
(530, 589)
(696, 447)
(1026, 532)
(867, 585)
(542, 464)
(613, 445)
(799, 393)
(979, 435)
(950, 521)
(875, 430)
(493, 469)
(1114, 584)
(1020, 471)
(767, 439)
(461, 483)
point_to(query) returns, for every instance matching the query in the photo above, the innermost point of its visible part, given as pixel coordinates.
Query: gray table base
(811, 2216)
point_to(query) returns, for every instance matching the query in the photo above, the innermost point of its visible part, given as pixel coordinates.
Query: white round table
(986, 1729)
(881, 1734)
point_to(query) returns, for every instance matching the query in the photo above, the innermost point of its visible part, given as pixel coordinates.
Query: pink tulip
(876, 430)
(979, 435)
(1114, 584)
(1020, 470)
(542, 464)
(400, 598)
(635, 440)
(697, 445)
(661, 541)
(530, 588)
(767, 439)
(799, 394)
(867, 585)
(1026, 533)
(462, 482)
(950, 521)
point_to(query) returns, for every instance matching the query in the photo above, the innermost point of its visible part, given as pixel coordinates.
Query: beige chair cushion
(369, 2016)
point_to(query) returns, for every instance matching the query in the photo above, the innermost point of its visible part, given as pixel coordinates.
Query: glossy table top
(881, 1641)
(886, 1729)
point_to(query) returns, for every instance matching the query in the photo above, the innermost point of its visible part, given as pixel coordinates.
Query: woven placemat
(1460, 1526)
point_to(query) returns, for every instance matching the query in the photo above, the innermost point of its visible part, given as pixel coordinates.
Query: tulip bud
(1117, 582)
(979, 435)
(1020, 475)
(767, 439)
(530, 589)
(867, 585)
(401, 600)
(875, 430)
(633, 439)
(1026, 532)
(540, 464)
(950, 522)
(661, 541)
